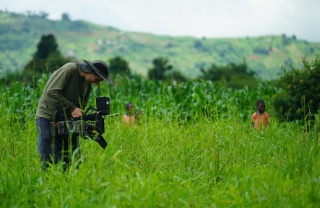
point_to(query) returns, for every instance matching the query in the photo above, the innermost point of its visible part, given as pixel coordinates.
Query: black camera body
(91, 125)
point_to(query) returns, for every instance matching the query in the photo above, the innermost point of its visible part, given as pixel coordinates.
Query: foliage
(65, 17)
(264, 55)
(187, 101)
(160, 67)
(45, 60)
(118, 65)
(215, 161)
(162, 70)
(193, 148)
(232, 75)
(46, 47)
(176, 75)
(300, 95)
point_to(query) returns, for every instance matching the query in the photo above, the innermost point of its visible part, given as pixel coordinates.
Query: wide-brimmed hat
(98, 67)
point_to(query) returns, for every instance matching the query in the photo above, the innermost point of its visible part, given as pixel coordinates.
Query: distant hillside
(264, 55)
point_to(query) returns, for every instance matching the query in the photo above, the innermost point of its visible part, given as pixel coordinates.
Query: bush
(232, 75)
(301, 92)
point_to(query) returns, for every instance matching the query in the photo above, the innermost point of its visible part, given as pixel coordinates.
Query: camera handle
(90, 108)
(101, 141)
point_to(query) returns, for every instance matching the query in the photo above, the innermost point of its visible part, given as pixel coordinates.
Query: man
(66, 92)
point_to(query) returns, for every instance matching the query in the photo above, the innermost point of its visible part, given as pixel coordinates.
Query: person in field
(260, 119)
(66, 93)
(132, 116)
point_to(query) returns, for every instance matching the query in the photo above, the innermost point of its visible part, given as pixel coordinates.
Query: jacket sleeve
(86, 97)
(59, 81)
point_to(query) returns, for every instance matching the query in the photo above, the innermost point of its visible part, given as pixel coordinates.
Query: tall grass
(214, 161)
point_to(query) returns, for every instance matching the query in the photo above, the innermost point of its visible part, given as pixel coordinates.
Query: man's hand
(77, 113)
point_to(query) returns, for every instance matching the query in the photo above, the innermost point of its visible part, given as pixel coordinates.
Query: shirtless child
(260, 119)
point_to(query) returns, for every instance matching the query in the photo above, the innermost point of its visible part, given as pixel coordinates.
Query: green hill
(264, 55)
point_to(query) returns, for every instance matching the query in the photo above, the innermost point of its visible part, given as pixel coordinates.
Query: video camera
(91, 125)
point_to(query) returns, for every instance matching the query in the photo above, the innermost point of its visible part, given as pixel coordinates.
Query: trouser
(55, 149)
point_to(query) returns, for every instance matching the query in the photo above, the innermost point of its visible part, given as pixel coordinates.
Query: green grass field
(211, 161)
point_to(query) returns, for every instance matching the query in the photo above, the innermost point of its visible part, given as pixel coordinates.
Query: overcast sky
(199, 18)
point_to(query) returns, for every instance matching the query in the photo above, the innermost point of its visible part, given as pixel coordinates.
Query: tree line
(48, 58)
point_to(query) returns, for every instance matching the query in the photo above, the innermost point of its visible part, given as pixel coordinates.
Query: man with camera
(66, 93)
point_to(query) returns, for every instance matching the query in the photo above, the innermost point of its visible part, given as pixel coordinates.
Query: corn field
(193, 148)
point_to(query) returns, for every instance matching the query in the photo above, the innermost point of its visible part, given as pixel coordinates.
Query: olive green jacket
(64, 91)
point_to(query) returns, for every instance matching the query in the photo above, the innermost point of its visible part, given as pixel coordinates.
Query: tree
(176, 75)
(160, 67)
(43, 15)
(117, 65)
(46, 59)
(65, 17)
(216, 73)
(232, 75)
(46, 46)
(301, 89)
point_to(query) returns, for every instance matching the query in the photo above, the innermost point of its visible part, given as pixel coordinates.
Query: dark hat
(98, 67)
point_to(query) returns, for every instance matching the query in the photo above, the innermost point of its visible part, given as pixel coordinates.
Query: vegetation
(194, 148)
(117, 65)
(232, 75)
(160, 67)
(46, 59)
(299, 99)
(264, 55)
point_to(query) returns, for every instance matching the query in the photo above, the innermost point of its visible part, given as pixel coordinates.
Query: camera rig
(91, 125)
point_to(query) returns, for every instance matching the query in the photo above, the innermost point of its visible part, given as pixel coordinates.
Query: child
(129, 118)
(132, 116)
(260, 118)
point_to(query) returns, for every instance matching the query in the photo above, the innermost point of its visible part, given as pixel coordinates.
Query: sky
(197, 18)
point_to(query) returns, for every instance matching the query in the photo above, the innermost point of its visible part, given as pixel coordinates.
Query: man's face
(92, 78)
